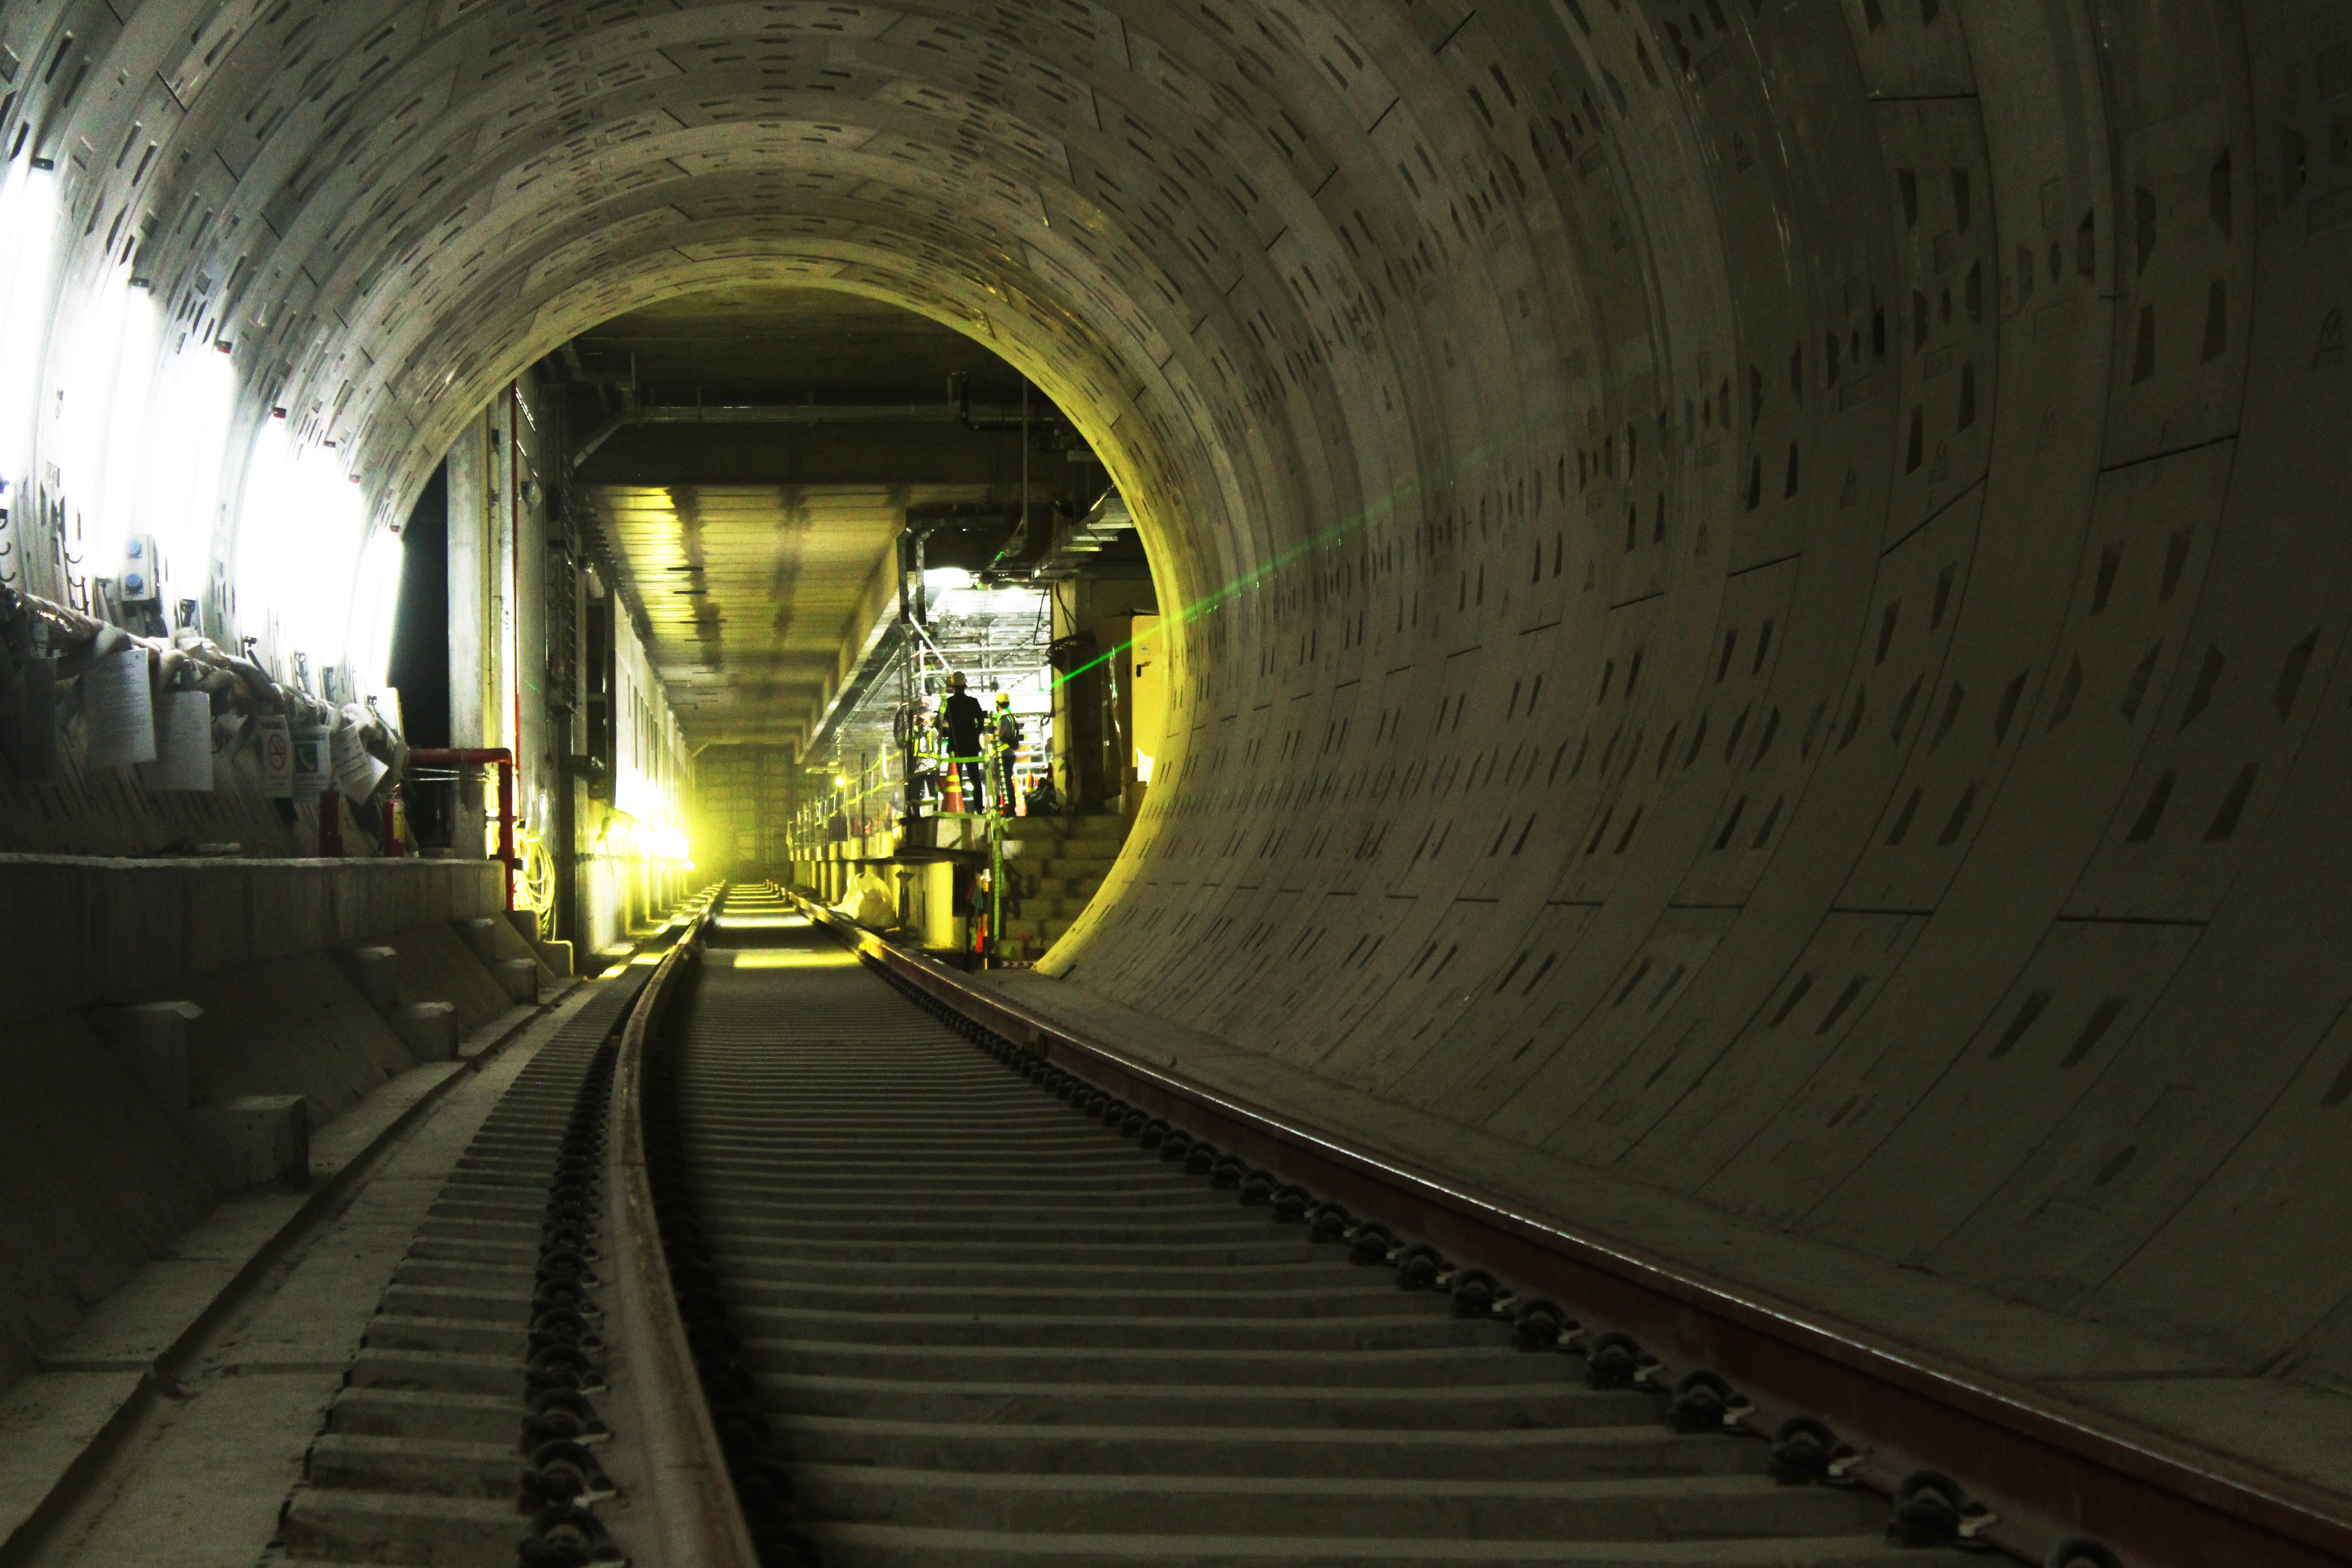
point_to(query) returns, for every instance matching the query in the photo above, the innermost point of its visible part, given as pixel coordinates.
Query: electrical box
(141, 580)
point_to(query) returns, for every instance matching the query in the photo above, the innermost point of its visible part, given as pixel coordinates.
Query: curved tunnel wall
(1763, 580)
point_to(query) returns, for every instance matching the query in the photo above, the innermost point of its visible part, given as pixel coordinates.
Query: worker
(915, 728)
(1004, 731)
(962, 716)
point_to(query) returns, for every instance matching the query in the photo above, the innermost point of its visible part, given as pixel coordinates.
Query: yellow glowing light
(793, 958)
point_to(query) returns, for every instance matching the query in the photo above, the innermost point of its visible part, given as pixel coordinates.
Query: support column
(469, 599)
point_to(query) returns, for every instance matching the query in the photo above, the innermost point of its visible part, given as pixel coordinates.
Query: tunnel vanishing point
(1752, 604)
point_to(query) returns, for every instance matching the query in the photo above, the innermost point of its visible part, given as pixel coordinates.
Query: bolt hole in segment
(976, 1323)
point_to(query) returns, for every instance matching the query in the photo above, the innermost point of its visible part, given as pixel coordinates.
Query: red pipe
(484, 757)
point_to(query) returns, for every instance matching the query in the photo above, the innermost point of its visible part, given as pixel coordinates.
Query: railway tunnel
(1685, 658)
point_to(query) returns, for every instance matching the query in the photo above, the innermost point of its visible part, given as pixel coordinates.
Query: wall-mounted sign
(312, 774)
(273, 743)
(183, 749)
(119, 709)
(356, 771)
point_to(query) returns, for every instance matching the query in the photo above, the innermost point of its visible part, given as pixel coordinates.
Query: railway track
(985, 1329)
(438, 1449)
(846, 1278)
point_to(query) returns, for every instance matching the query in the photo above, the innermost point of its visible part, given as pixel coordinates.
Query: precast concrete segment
(422, 1459)
(1754, 594)
(985, 1328)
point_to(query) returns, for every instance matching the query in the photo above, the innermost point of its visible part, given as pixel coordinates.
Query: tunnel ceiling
(759, 594)
(1755, 586)
(762, 343)
(754, 595)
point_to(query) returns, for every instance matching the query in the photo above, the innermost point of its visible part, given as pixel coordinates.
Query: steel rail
(688, 1485)
(2052, 1469)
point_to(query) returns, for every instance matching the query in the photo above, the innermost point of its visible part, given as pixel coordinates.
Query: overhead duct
(782, 414)
(1107, 522)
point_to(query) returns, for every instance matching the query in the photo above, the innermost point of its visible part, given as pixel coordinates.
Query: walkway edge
(33, 1515)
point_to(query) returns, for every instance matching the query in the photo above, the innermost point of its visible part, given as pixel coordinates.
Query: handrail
(2052, 1467)
(690, 1489)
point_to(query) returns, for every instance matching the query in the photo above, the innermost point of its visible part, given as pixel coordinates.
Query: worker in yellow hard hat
(1004, 736)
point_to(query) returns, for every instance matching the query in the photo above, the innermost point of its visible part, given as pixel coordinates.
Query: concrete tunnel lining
(1764, 609)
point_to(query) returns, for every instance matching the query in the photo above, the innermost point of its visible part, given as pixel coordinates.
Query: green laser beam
(1217, 598)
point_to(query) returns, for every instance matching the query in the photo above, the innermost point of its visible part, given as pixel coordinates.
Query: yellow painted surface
(1150, 694)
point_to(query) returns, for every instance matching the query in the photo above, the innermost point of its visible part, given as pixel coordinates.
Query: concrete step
(505, 1253)
(520, 1209)
(1055, 1300)
(1635, 1508)
(1227, 1332)
(1059, 1139)
(1159, 1200)
(450, 1336)
(504, 1159)
(511, 1282)
(1142, 1179)
(341, 1526)
(903, 1546)
(1046, 1213)
(417, 1467)
(1125, 1230)
(772, 1176)
(361, 1411)
(1104, 1156)
(499, 1300)
(1457, 1366)
(777, 1242)
(440, 1372)
(1099, 1153)
(1521, 1453)
(1145, 1278)
(1002, 1104)
(506, 1231)
(1275, 1403)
